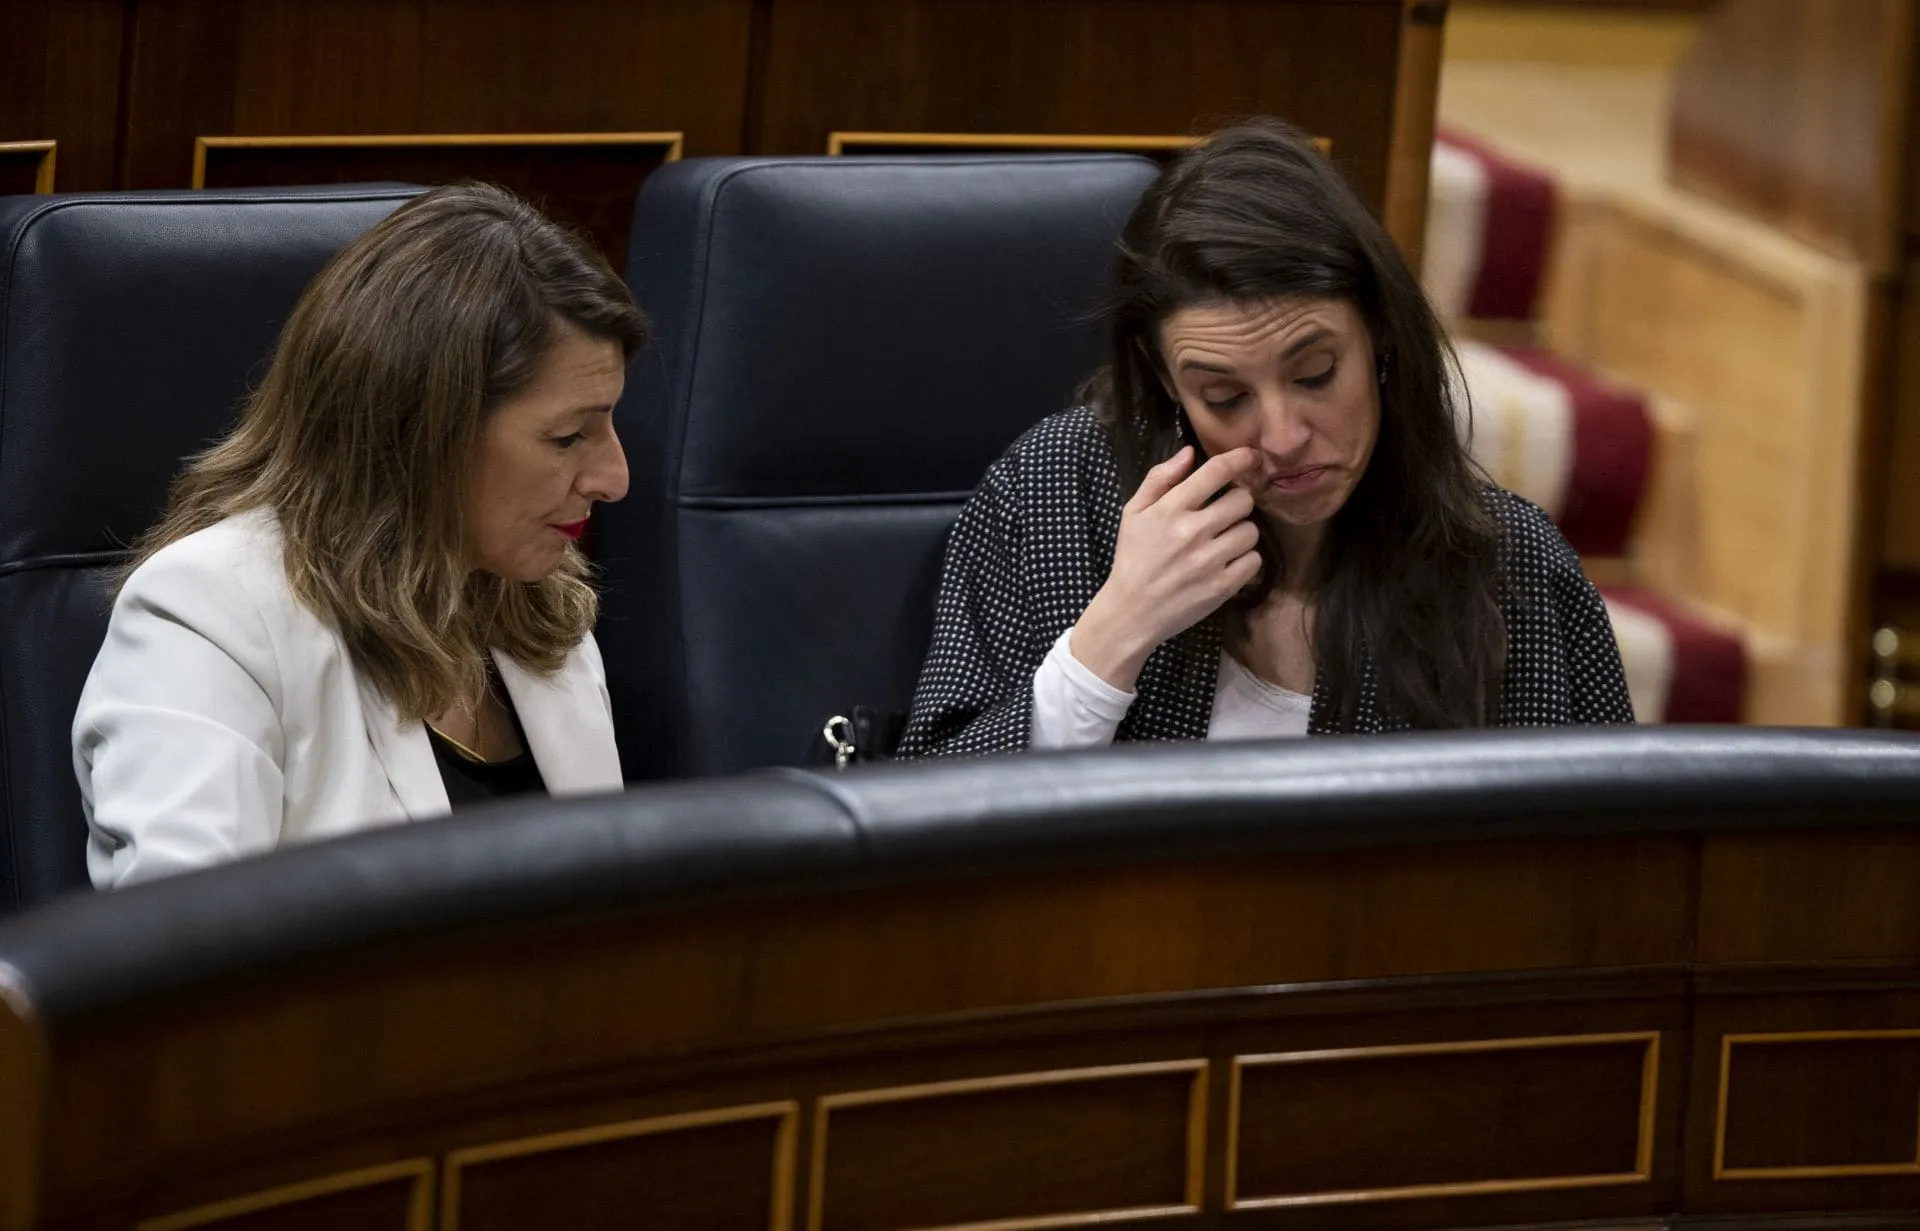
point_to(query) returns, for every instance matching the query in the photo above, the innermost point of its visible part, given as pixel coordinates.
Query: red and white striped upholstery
(1577, 446)
(1679, 668)
(1489, 231)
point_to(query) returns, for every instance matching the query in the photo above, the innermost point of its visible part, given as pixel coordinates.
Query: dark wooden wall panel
(128, 86)
(1081, 66)
(284, 67)
(588, 185)
(206, 68)
(60, 68)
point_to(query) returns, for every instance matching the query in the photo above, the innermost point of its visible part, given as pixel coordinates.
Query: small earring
(1384, 360)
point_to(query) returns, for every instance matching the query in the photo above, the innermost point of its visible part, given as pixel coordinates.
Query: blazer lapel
(407, 756)
(568, 730)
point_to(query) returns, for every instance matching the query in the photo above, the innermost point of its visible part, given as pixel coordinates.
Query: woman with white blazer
(367, 604)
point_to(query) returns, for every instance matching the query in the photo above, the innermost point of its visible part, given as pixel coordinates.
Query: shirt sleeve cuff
(1089, 689)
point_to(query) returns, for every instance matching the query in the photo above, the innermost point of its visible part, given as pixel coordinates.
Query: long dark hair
(1414, 560)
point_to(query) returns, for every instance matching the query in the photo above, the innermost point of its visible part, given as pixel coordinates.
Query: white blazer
(222, 718)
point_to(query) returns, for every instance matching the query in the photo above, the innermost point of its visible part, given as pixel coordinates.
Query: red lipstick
(573, 529)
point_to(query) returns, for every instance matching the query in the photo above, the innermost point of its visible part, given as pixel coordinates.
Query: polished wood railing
(1294, 987)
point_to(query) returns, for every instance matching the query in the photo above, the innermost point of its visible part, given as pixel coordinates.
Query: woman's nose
(606, 479)
(1283, 431)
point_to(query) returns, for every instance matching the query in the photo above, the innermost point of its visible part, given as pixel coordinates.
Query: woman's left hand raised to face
(1181, 554)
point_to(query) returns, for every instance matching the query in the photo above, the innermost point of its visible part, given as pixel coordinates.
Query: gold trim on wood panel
(839, 143)
(673, 143)
(43, 170)
(1643, 1151)
(1196, 1139)
(419, 1206)
(779, 1215)
(1840, 1171)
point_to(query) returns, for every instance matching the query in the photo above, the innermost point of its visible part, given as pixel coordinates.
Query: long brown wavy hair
(1414, 568)
(361, 439)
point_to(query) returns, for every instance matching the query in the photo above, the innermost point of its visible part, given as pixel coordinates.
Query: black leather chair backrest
(131, 326)
(842, 347)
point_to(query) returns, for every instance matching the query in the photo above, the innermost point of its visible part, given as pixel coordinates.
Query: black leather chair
(131, 325)
(843, 347)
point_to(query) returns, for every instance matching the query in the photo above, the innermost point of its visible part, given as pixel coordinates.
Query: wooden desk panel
(987, 1052)
(60, 63)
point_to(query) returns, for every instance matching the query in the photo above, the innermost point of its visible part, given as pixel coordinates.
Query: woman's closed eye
(1222, 401)
(1318, 380)
(569, 440)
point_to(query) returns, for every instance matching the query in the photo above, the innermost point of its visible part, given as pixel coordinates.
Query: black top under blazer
(1035, 543)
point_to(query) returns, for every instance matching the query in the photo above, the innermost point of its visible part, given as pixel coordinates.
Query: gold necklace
(478, 714)
(459, 747)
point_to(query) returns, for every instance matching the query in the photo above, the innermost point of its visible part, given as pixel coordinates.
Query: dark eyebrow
(1317, 335)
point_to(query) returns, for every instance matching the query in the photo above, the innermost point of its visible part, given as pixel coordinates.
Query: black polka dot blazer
(1036, 541)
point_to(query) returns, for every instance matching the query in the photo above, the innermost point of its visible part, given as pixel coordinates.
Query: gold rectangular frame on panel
(673, 142)
(43, 170)
(786, 1141)
(419, 1205)
(1643, 1149)
(1194, 1187)
(1835, 1172)
(843, 143)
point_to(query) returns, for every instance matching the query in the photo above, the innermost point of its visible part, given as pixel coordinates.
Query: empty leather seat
(131, 326)
(842, 348)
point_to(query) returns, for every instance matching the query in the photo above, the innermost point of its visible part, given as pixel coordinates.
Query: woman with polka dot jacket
(1262, 522)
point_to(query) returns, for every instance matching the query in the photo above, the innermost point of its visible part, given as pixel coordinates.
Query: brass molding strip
(841, 143)
(43, 169)
(419, 1206)
(672, 142)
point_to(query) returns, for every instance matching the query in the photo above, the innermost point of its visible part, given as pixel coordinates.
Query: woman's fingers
(1160, 480)
(1234, 505)
(1203, 484)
